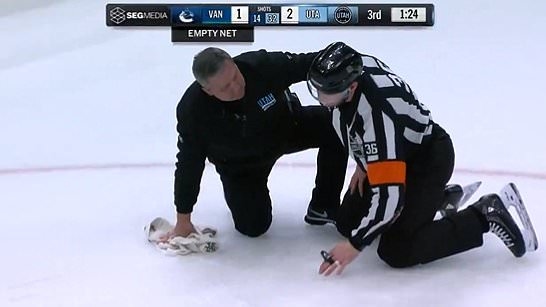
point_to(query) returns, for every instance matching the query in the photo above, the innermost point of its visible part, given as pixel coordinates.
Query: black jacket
(234, 134)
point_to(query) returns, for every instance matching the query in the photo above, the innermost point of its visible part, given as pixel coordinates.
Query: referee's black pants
(245, 185)
(414, 238)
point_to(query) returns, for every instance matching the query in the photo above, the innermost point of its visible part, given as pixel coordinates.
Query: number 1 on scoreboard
(239, 14)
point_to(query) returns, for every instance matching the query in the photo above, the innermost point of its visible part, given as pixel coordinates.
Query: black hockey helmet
(334, 69)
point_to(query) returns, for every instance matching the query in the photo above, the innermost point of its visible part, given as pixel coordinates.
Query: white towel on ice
(202, 241)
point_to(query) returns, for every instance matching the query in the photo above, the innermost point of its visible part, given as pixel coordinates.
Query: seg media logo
(117, 15)
(145, 15)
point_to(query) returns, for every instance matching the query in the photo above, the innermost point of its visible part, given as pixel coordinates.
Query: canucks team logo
(267, 101)
(186, 16)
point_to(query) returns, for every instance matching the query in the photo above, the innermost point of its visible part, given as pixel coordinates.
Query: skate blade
(512, 198)
(468, 192)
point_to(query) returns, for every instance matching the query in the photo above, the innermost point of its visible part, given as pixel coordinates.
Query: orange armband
(385, 172)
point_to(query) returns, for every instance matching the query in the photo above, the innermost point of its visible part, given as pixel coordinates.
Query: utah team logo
(117, 15)
(267, 101)
(343, 15)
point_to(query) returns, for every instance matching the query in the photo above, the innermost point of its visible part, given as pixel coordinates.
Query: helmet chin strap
(346, 95)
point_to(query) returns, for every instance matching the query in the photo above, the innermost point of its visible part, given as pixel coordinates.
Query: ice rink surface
(88, 142)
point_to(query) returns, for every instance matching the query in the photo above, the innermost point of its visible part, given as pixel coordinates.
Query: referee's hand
(338, 258)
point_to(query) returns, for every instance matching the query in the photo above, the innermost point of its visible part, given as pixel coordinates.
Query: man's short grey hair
(207, 63)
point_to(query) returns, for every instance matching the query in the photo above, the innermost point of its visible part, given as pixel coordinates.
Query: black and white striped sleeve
(382, 156)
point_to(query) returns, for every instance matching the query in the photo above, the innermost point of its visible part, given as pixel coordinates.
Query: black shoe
(452, 195)
(316, 216)
(501, 223)
(455, 196)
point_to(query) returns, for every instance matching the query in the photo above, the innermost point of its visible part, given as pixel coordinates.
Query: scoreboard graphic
(236, 22)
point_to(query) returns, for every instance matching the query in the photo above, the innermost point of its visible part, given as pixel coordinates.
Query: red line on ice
(136, 166)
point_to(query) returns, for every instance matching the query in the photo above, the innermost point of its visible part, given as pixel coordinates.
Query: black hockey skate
(495, 210)
(456, 196)
(316, 216)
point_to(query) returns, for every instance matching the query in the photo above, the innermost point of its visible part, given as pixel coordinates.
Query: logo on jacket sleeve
(356, 145)
(267, 101)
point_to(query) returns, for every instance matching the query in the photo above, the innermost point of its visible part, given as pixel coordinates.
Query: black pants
(245, 187)
(414, 238)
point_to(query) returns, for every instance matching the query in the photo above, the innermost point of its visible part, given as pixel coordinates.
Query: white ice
(76, 93)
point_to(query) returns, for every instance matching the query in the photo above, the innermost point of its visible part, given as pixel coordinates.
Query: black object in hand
(327, 257)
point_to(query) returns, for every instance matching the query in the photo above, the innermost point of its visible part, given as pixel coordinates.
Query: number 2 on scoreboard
(290, 12)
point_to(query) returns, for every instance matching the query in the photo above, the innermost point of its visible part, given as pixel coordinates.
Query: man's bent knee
(253, 228)
(395, 260)
(397, 254)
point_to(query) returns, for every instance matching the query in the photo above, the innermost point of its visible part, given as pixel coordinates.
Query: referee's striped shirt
(381, 127)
